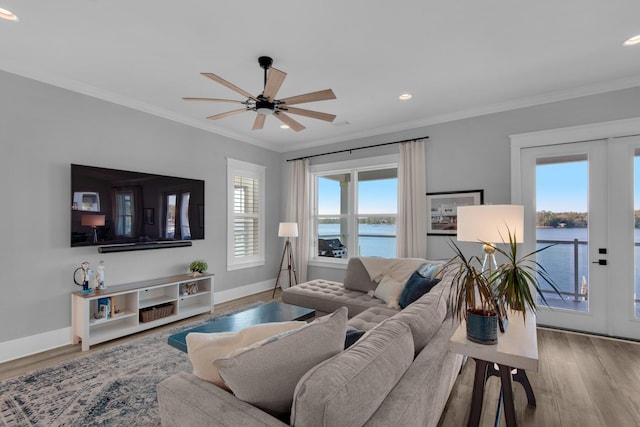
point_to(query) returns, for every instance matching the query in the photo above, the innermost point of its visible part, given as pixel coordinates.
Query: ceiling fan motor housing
(263, 106)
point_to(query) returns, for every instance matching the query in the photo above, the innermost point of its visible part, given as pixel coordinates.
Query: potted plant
(516, 281)
(198, 267)
(473, 298)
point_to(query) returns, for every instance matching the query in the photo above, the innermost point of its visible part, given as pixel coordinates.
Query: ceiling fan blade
(213, 100)
(320, 95)
(259, 122)
(274, 81)
(289, 121)
(227, 114)
(229, 85)
(313, 114)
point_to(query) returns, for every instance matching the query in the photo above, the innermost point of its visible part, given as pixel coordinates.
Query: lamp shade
(288, 229)
(490, 223)
(92, 220)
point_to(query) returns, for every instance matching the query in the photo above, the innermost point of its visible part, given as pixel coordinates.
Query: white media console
(103, 315)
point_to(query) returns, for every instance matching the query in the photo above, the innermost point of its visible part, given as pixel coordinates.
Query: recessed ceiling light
(284, 127)
(9, 16)
(631, 41)
(405, 96)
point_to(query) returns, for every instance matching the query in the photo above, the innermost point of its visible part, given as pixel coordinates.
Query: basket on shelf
(156, 312)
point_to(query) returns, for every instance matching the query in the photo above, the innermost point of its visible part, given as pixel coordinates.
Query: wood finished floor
(583, 380)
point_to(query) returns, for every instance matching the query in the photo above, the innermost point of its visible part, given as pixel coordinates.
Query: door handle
(600, 262)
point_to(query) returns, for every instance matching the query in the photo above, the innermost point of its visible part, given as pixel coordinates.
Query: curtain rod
(356, 148)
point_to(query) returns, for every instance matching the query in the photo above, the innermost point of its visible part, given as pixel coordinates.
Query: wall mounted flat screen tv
(116, 207)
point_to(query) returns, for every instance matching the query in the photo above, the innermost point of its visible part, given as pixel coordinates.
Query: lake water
(557, 260)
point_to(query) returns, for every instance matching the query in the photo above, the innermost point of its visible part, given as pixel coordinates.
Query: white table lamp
(490, 224)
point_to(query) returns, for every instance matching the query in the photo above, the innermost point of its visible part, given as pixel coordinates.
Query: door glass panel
(562, 184)
(636, 240)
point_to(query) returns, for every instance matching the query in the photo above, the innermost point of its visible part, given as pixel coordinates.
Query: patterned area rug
(111, 387)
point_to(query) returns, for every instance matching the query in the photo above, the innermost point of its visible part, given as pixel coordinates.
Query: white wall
(474, 153)
(43, 129)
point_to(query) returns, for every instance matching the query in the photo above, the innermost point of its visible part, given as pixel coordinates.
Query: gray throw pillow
(266, 373)
(357, 277)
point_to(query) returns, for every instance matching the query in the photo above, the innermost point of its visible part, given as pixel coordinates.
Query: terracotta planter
(482, 328)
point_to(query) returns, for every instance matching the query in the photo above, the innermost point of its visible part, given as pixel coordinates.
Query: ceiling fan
(266, 103)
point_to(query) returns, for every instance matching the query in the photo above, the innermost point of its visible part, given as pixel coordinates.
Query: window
(177, 202)
(124, 210)
(355, 208)
(245, 205)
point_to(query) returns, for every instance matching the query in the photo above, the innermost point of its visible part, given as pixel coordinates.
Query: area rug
(111, 387)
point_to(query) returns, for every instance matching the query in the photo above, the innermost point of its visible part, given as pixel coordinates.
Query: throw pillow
(266, 373)
(429, 270)
(353, 335)
(389, 291)
(416, 287)
(204, 348)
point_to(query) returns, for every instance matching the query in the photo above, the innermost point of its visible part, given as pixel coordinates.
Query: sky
(561, 187)
(380, 196)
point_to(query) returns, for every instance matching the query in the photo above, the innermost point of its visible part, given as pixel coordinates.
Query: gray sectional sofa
(400, 372)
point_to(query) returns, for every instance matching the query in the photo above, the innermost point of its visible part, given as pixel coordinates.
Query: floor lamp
(288, 230)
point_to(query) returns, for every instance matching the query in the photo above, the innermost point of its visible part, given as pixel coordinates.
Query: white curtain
(298, 210)
(412, 201)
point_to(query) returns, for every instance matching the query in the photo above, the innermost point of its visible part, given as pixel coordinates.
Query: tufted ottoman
(326, 296)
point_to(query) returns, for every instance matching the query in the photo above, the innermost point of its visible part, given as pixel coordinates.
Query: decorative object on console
(92, 221)
(189, 288)
(288, 230)
(442, 217)
(198, 267)
(100, 276)
(85, 274)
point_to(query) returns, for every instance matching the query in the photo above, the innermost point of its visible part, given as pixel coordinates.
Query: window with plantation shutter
(245, 239)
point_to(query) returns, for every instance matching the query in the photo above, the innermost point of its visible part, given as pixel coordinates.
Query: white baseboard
(21, 347)
(242, 291)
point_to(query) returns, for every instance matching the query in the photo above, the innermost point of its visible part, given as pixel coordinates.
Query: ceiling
(458, 58)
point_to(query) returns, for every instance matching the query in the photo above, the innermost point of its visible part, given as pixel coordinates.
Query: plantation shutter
(246, 221)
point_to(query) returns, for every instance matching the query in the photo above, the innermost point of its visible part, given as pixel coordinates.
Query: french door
(581, 198)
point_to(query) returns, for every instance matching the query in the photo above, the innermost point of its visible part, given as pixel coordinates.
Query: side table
(517, 349)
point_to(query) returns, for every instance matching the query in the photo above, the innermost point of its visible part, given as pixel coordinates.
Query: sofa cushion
(326, 296)
(416, 287)
(204, 348)
(357, 278)
(348, 388)
(266, 373)
(370, 318)
(389, 291)
(425, 316)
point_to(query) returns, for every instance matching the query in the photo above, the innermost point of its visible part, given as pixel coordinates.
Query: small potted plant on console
(197, 268)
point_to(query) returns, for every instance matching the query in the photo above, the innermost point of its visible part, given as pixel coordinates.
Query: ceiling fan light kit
(266, 103)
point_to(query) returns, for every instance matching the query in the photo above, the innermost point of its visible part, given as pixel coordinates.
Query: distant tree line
(570, 219)
(563, 219)
(362, 220)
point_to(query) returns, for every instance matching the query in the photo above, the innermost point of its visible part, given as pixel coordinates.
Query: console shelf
(103, 315)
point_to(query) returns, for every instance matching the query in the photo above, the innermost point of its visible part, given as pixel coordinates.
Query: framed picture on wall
(442, 210)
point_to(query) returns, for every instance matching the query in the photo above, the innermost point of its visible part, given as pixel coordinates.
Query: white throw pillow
(389, 291)
(205, 348)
